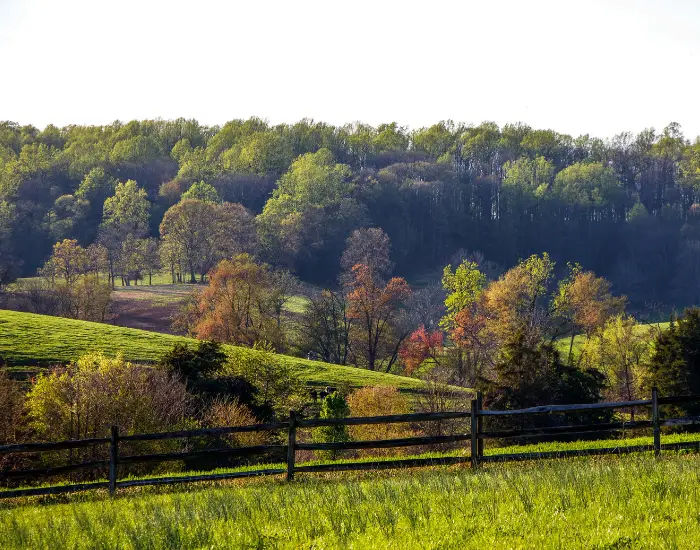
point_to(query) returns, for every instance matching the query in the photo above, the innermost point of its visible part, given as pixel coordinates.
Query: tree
(325, 327)
(373, 307)
(515, 303)
(203, 192)
(125, 215)
(584, 303)
(674, 366)
(235, 306)
(192, 364)
(464, 286)
(526, 375)
(620, 349)
(68, 261)
(421, 345)
(204, 233)
(371, 247)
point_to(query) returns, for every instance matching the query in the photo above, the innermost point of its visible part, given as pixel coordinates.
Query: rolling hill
(30, 340)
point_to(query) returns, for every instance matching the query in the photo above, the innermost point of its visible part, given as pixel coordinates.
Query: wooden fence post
(480, 424)
(291, 445)
(113, 458)
(473, 430)
(655, 420)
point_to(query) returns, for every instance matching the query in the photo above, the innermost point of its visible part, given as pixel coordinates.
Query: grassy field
(630, 502)
(39, 340)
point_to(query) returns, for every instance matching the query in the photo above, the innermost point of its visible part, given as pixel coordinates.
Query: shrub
(278, 389)
(333, 406)
(84, 399)
(11, 409)
(192, 364)
(378, 401)
(230, 412)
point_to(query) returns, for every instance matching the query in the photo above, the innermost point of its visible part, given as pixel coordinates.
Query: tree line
(626, 207)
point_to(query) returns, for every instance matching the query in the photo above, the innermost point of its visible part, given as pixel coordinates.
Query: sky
(577, 66)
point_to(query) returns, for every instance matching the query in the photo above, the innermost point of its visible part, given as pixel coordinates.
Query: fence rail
(476, 436)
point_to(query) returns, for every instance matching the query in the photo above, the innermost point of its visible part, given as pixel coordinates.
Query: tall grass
(633, 502)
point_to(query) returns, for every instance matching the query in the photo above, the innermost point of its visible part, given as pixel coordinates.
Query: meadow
(630, 502)
(30, 340)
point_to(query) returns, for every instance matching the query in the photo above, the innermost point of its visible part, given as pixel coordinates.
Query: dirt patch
(149, 307)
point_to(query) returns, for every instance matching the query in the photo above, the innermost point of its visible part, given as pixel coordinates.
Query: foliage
(621, 351)
(334, 405)
(225, 412)
(238, 305)
(190, 364)
(279, 390)
(378, 401)
(419, 346)
(87, 397)
(372, 307)
(674, 366)
(528, 374)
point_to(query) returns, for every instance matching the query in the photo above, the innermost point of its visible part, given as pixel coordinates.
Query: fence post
(655, 420)
(113, 458)
(291, 445)
(480, 424)
(473, 430)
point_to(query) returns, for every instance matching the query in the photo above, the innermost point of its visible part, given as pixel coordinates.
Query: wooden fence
(476, 436)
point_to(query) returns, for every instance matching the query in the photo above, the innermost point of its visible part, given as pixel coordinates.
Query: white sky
(585, 66)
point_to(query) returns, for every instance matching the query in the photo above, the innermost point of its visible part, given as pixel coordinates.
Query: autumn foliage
(420, 346)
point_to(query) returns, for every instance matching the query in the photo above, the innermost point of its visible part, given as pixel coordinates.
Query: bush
(333, 406)
(193, 364)
(230, 412)
(84, 399)
(378, 401)
(279, 390)
(11, 409)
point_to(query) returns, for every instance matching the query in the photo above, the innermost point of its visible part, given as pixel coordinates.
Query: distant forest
(627, 208)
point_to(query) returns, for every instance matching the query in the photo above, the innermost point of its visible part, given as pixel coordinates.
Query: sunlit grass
(28, 340)
(630, 502)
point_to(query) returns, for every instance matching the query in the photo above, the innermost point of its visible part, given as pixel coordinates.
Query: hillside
(27, 339)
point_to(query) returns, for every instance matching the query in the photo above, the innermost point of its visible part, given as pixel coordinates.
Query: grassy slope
(630, 502)
(29, 339)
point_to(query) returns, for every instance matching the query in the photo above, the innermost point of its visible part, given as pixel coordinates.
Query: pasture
(630, 502)
(29, 340)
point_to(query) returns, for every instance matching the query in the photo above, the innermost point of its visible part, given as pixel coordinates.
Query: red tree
(420, 346)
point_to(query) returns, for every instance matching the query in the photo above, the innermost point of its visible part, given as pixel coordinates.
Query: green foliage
(674, 367)
(191, 364)
(333, 406)
(279, 388)
(203, 192)
(96, 392)
(529, 374)
(464, 286)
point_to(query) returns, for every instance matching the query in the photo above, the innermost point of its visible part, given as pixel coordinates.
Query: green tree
(203, 192)
(674, 366)
(333, 406)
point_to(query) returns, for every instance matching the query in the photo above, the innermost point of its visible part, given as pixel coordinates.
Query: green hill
(27, 339)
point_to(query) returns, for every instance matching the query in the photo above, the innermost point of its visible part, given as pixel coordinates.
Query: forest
(626, 208)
